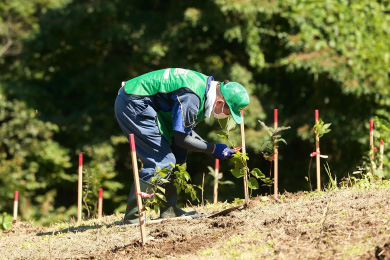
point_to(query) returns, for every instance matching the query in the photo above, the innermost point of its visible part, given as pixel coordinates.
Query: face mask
(220, 115)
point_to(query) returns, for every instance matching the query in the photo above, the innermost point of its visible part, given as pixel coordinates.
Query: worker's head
(231, 98)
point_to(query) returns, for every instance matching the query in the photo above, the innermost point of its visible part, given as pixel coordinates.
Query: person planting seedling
(162, 108)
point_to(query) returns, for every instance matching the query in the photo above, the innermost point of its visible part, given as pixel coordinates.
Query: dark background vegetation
(62, 63)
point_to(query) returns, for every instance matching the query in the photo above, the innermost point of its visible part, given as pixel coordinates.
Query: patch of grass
(342, 212)
(208, 252)
(354, 250)
(312, 194)
(246, 246)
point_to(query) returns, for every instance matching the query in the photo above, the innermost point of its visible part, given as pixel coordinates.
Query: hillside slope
(351, 223)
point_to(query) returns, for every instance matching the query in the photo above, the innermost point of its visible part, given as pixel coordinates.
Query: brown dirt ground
(341, 224)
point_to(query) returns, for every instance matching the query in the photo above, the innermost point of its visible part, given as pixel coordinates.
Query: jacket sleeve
(193, 142)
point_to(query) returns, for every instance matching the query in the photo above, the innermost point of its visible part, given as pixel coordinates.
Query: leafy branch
(239, 159)
(158, 197)
(275, 137)
(320, 128)
(181, 182)
(180, 179)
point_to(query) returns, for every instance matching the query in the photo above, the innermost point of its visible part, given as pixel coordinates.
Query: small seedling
(181, 181)
(270, 146)
(239, 159)
(373, 158)
(157, 196)
(320, 128)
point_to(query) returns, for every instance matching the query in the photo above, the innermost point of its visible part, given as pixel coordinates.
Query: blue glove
(222, 152)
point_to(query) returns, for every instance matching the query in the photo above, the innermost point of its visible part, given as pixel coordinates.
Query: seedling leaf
(257, 173)
(385, 128)
(161, 188)
(252, 183)
(160, 196)
(238, 173)
(187, 176)
(230, 124)
(222, 135)
(162, 174)
(6, 222)
(164, 180)
(268, 129)
(281, 140)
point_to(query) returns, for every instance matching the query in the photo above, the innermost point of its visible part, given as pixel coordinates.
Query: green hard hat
(236, 97)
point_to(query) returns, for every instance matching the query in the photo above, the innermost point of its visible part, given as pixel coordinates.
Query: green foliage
(181, 180)
(67, 60)
(337, 37)
(240, 159)
(268, 148)
(320, 128)
(31, 161)
(382, 127)
(158, 198)
(368, 166)
(267, 181)
(332, 185)
(219, 177)
(227, 125)
(19, 19)
(5, 221)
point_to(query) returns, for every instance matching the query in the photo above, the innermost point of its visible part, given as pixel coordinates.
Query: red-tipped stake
(318, 154)
(276, 174)
(80, 187)
(16, 199)
(381, 150)
(372, 146)
(100, 203)
(244, 151)
(137, 188)
(216, 172)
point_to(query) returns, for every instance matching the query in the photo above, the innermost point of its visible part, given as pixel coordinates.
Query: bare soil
(341, 224)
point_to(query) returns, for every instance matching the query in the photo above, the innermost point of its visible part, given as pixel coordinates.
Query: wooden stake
(276, 174)
(203, 190)
(216, 172)
(16, 199)
(80, 188)
(246, 192)
(372, 146)
(318, 154)
(381, 150)
(137, 189)
(100, 203)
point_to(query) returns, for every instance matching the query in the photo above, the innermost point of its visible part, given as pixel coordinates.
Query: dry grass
(346, 223)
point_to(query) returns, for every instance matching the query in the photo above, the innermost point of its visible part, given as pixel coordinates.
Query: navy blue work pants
(136, 116)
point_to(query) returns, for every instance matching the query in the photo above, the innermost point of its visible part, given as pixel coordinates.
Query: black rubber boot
(131, 215)
(170, 208)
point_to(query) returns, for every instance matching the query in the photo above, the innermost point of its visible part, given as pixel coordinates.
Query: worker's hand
(222, 152)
